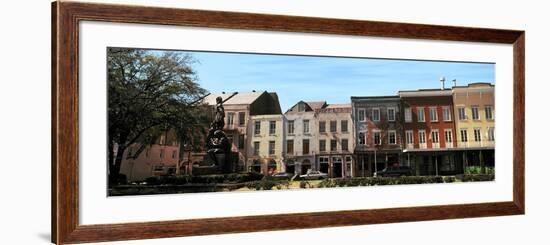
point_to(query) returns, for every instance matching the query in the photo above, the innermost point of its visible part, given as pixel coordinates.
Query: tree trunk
(114, 166)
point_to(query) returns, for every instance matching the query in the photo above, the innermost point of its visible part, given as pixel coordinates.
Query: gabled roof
(310, 106)
(235, 98)
(317, 104)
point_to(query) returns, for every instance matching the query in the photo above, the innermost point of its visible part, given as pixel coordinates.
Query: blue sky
(333, 79)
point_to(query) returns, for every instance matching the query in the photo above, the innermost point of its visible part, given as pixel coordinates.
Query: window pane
(491, 134)
(433, 114)
(344, 144)
(361, 115)
(344, 126)
(391, 114)
(322, 126)
(446, 114)
(306, 126)
(230, 119)
(377, 139)
(461, 113)
(488, 112)
(291, 127)
(475, 113)
(241, 118)
(272, 127)
(422, 137)
(271, 147)
(332, 145)
(477, 135)
(392, 137)
(420, 112)
(435, 136)
(408, 114)
(332, 126)
(241, 141)
(376, 114)
(290, 146)
(409, 137)
(322, 145)
(257, 128)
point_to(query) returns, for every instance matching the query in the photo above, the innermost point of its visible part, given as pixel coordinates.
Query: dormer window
(301, 107)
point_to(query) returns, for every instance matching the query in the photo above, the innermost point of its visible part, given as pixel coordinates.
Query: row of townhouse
(435, 131)
(311, 135)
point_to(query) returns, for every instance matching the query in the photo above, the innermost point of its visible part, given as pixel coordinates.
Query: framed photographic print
(176, 122)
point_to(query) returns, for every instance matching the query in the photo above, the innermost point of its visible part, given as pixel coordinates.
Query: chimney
(454, 82)
(442, 80)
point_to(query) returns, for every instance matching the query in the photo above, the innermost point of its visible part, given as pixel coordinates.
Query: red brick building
(429, 131)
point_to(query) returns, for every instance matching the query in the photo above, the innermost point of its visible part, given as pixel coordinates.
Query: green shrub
(374, 181)
(265, 184)
(449, 179)
(204, 179)
(479, 170)
(152, 181)
(472, 170)
(477, 177)
(304, 184)
(268, 185)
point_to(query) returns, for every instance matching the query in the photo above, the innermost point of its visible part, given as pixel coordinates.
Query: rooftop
(235, 98)
(374, 97)
(335, 106)
(425, 92)
(475, 85)
(316, 104)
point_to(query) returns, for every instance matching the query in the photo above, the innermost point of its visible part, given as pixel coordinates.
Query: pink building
(140, 162)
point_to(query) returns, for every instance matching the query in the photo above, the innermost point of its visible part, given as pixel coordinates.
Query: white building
(335, 140)
(300, 145)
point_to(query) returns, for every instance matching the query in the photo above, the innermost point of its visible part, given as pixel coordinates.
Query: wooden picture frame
(65, 121)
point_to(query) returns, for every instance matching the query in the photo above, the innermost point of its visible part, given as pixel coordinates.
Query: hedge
(479, 170)
(257, 182)
(267, 184)
(372, 181)
(204, 179)
(476, 177)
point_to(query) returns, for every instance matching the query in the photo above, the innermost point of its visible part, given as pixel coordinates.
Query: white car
(311, 175)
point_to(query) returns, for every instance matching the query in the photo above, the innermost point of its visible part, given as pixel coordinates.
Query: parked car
(282, 176)
(395, 171)
(311, 175)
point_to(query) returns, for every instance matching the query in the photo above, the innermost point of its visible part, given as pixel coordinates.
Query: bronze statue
(219, 118)
(217, 143)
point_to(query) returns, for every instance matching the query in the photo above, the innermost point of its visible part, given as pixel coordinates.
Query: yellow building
(474, 111)
(265, 153)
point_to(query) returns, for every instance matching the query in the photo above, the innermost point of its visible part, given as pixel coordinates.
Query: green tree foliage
(150, 93)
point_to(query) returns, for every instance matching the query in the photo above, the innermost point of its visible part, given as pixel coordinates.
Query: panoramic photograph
(202, 121)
